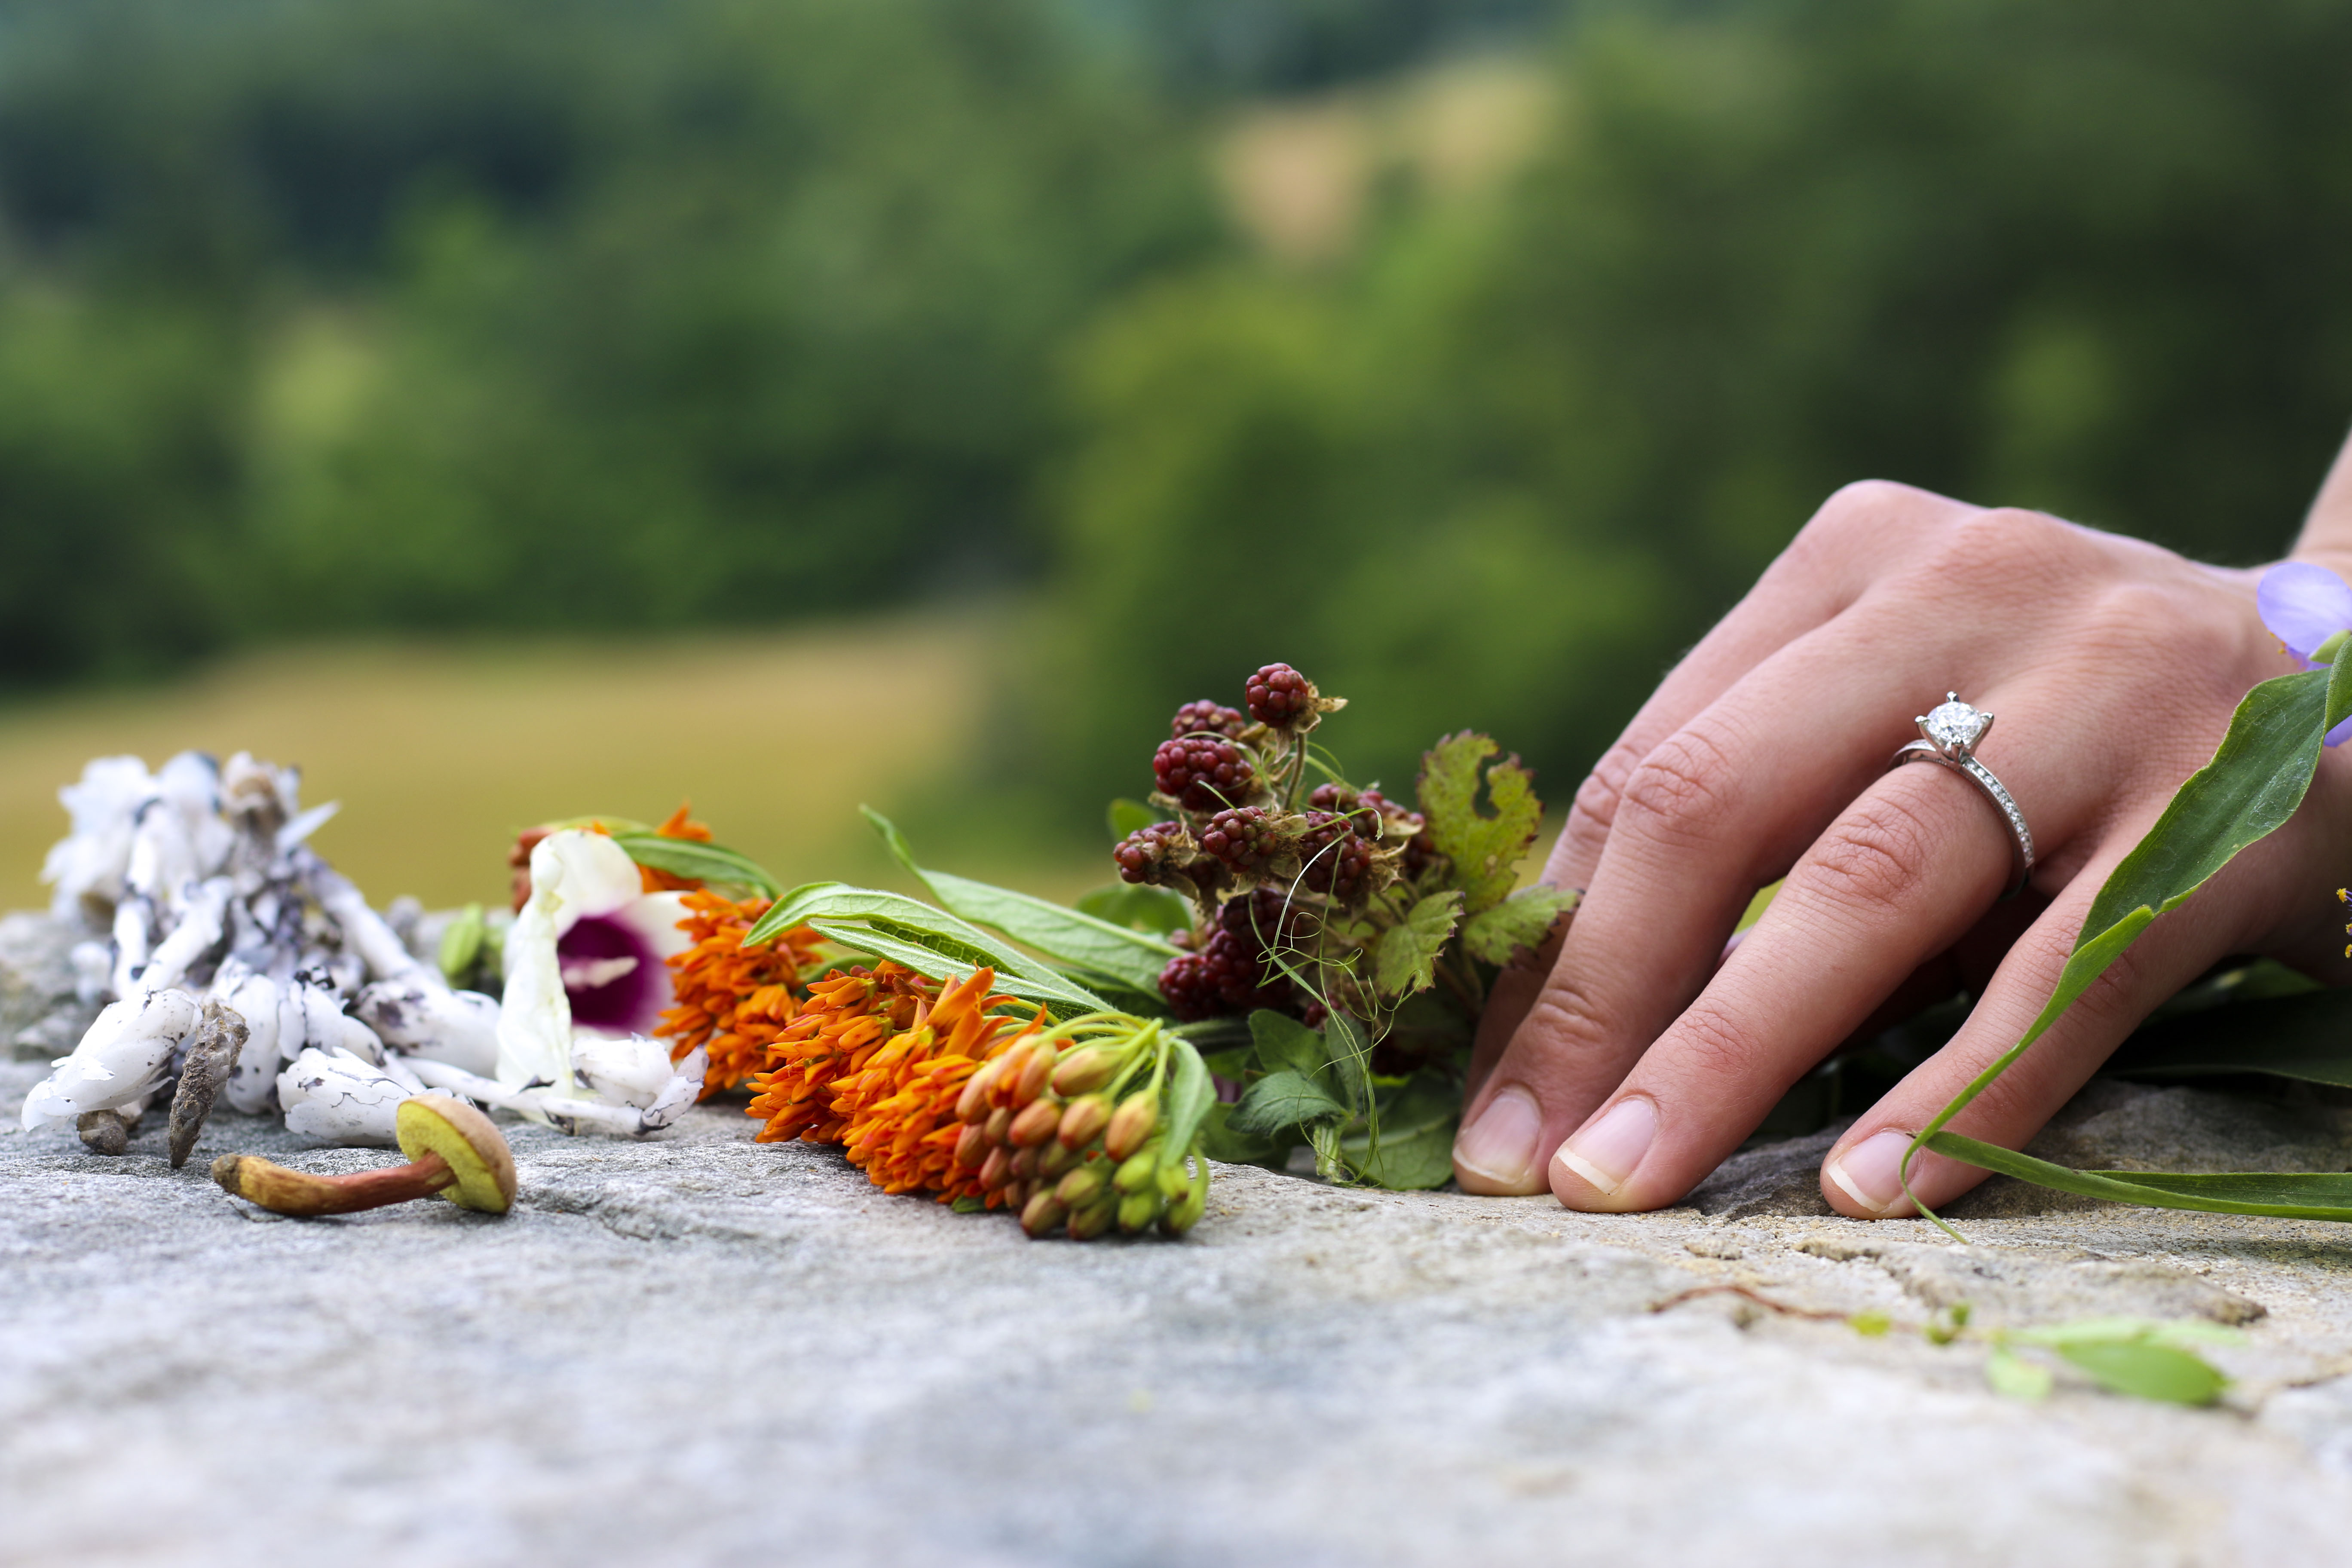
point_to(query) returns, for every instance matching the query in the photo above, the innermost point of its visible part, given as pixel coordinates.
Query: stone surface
(700, 1349)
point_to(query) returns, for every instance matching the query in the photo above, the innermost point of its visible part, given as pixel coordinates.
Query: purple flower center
(614, 978)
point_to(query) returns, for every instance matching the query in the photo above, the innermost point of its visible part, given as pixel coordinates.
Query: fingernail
(1605, 1153)
(1500, 1142)
(1871, 1172)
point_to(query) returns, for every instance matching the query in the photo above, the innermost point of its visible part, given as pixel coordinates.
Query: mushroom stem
(274, 1187)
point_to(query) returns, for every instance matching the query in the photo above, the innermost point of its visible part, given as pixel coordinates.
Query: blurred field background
(580, 404)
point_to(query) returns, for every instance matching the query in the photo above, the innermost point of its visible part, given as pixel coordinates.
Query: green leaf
(1127, 957)
(1279, 1101)
(925, 957)
(1159, 911)
(1406, 959)
(1349, 1053)
(1485, 850)
(2014, 1376)
(2256, 779)
(703, 862)
(2339, 689)
(461, 944)
(2308, 1037)
(2148, 1370)
(1286, 1045)
(1415, 1147)
(1219, 1034)
(2180, 1331)
(1220, 1142)
(1190, 1095)
(2286, 1195)
(1520, 922)
(1132, 816)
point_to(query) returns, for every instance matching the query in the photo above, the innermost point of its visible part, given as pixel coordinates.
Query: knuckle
(1709, 1048)
(1594, 810)
(1686, 781)
(1873, 855)
(1854, 515)
(2004, 543)
(2136, 619)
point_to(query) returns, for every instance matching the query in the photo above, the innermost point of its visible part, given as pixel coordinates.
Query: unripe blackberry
(1202, 774)
(1144, 856)
(1207, 717)
(1387, 819)
(1191, 994)
(1338, 862)
(1236, 965)
(1281, 696)
(1245, 839)
(1268, 918)
(1338, 798)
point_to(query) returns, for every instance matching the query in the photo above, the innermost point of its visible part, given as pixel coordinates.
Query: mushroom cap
(477, 1152)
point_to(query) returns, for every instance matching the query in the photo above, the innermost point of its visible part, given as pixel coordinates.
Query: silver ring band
(1949, 736)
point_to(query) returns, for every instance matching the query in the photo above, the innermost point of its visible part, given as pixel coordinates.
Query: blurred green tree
(1500, 462)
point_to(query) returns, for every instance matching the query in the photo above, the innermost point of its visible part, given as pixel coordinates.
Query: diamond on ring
(1951, 730)
(1953, 727)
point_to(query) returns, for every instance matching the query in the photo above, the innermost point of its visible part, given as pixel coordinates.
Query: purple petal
(2303, 606)
(617, 981)
(2341, 733)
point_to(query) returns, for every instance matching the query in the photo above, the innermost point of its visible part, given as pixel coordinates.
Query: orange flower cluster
(733, 1001)
(876, 1062)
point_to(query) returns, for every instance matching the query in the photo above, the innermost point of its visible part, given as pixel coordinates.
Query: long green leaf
(703, 862)
(2308, 1037)
(2287, 1194)
(2255, 781)
(1065, 998)
(1082, 942)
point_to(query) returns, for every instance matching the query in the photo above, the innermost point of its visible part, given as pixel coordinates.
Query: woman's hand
(1622, 1069)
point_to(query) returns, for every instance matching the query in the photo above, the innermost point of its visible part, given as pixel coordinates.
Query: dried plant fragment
(212, 1056)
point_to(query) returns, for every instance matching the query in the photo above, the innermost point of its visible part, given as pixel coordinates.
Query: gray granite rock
(39, 1018)
(701, 1349)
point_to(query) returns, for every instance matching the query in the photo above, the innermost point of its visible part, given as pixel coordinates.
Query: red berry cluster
(1232, 973)
(1206, 718)
(1202, 774)
(1247, 840)
(1280, 697)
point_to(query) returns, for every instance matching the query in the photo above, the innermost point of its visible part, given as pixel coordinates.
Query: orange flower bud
(997, 1169)
(998, 1127)
(1036, 1122)
(972, 1104)
(1025, 1163)
(1016, 1194)
(1042, 1213)
(1034, 1074)
(1055, 1157)
(972, 1145)
(1082, 1072)
(1088, 1223)
(1136, 1175)
(1084, 1121)
(1131, 1123)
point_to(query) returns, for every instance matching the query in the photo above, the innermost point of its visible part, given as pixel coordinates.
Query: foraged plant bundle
(948, 1088)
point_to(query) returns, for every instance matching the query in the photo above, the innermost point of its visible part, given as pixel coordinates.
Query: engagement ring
(1949, 736)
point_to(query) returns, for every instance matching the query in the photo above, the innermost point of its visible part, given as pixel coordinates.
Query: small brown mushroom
(452, 1150)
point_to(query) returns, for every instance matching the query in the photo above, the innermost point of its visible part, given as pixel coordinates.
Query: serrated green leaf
(1190, 1094)
(1220, 1142)
(1286, 1045)
(1116, 953)
(1349, 1051)
(1279, 1101)
(1415, 1147)
(703, 862)
(1406, 959)
(1128, 817)
(2148, 1370)
(1485, 850)
(2013, 1376)
(1225, 1032)
(1158, 910)
(1520, 922)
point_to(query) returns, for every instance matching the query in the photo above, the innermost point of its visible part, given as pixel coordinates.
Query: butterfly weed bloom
(897, 1104)
(2309, 609)
(732, 1000)
(845, 1016)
